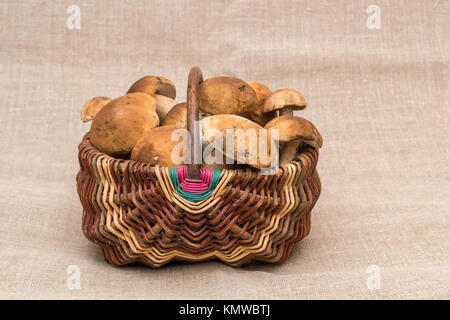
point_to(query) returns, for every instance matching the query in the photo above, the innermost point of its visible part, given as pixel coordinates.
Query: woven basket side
(133, 213)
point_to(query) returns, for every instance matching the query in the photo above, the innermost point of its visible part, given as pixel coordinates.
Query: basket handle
(194, 81)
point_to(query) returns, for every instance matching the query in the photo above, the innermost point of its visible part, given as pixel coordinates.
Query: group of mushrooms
(139, 125)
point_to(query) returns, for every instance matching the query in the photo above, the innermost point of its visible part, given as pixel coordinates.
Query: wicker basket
(134, 212)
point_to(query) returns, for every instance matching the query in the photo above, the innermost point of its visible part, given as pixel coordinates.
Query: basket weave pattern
(134, 213)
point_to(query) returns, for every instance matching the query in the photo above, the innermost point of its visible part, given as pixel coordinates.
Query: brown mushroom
(92, 107)
(262, 92)
(294, 131)
(284, 100)
(118, 125)
(263, 118)
(177, 116)
(163, 105)
(217, 125)
(256, 114)
(226, 95)
(154, 85)
(157, 146)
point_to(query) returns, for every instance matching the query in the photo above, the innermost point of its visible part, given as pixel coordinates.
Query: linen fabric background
(380, 99)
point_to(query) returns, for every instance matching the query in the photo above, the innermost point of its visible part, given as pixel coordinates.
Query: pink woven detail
(191, 185)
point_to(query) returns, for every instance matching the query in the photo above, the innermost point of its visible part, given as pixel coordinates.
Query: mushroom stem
(163, 105)
(287, 111)
(289, 151)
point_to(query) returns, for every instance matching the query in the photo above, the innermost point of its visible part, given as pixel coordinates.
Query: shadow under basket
(136, 213)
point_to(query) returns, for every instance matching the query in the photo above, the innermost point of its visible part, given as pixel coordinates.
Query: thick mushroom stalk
(163, 105)
(289, 151)
(287, 111)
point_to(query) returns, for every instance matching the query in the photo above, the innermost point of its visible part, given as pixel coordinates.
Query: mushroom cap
(293, 128)
(154, 85)
(177, 116)
(223, 122)
(226, 95)
(163, 105)
(119, 125)
(92, 107)
(284, 98)
(262, 93)
(156, 145)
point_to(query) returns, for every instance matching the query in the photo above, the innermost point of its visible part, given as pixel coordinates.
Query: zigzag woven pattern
(134, 212)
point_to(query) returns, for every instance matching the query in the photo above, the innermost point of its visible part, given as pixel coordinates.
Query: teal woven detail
(191, 196)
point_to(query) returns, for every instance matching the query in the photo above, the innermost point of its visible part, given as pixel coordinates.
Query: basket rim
(87, 141)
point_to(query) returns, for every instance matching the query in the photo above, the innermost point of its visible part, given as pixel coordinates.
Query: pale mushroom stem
(287, 111)
(163, 105)
(289, 151)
